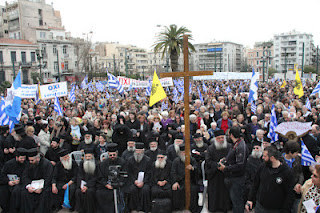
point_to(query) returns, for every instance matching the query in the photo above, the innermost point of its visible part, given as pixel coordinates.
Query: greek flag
(107, 95)
(84, 83)
(253, 93)
(148, 90)
(316, 89)
(72, 95)
(57, 106)
(190, 88)
(175, 95)
(38, 95)
(181, 97)
(228, 89)
(200, 95)
(114, 83)
(253, 108)
(90, 87)
(308, 104)
(137, 97)
(179, 85)
(204, 88)
(10, 112)
(273, 125)
(217, 89)
(164, 106)
(130, 88)
(99, 86)
(306, 157)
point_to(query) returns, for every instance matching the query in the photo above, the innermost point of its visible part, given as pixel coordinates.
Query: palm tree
(171, 40)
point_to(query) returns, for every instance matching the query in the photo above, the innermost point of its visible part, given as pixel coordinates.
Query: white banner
(295, 126)
(126, 82)
(225, 76)
(47, 91)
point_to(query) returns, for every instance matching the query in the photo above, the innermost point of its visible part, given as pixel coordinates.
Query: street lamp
(40, 57)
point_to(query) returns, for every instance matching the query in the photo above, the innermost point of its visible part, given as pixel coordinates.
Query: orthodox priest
(35, 199)
(86, 184)
(105, 183)
(64, 175)
(10, 184)
(218, 195)
(139, 178)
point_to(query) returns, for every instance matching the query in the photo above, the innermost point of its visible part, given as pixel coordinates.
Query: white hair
(259, 131)
(204, 127)
(193, 117)
(254, 117)
(213, 123)
(165, 114)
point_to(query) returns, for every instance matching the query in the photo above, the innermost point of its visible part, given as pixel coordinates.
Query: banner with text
(225, 76)
(126, 82)
(47, 91)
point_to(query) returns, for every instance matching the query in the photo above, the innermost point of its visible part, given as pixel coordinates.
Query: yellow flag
(284, 83)
(157, 91)
(298, 89)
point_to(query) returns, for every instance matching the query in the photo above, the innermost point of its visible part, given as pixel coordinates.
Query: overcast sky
(135, 22)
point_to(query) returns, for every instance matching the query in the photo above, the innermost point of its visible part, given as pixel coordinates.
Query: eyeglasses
(112, 155)
(160, 157)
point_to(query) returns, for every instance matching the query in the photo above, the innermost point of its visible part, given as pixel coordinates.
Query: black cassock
(10, 195)
(139, 198)
(178, 175)
(33, 202)
(53, 154)
(60, 177)
(159, 174)
(105, 199)
(126, 154)
(218, 196)
(152, 154)
(86, 201)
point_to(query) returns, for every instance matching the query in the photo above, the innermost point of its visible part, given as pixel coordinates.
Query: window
(23, 58)
(6, 31)
(40, 22)
(257, 62)
(64, 50)
(42, 35)
(5, 21)
(1, 57)
(76, 63)
(66, 65)
(40, 12)
(55, 65)
(13, 56)
(54, 49)
(33, 56)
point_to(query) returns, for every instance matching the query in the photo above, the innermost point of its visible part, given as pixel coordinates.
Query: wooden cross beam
(186, 74)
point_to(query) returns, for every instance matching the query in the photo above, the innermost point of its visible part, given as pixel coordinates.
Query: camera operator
(105, 185)
(233, 166)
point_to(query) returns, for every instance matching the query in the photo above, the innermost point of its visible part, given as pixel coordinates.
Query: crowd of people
(140, 151)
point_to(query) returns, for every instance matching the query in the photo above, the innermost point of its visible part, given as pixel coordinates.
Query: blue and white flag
(90, 87)
(175, 95)
(200, 95)
(316, 89)
(253, 93)
(99, 86)
(148, 89)
(4, 119)
(72, 95)
(38, 95)
(164, 106)
(306, 157)
(204, 88)
(308, 104)
(84, 83)
(228, 89)
(107, 95)
(253, 108)
(114, 83)
(130, 88)
(180, 85)
(217, 89)
(137, 97)
(57, 106)
(273, 125)
(190, 88)
(181, 97)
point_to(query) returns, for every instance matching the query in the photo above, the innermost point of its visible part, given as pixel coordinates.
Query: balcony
(66, 56)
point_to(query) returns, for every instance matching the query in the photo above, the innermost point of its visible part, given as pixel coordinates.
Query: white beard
(220, 146)
(89, 166)
(88, 141)
(153, 149)
(183, 158)
(138, 157)
(177, 148)
(131, 149)
(67, 164)
(199, 144)
(160, 164)
(256, 154)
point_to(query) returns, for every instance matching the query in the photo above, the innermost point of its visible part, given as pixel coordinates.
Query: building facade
(289, 49)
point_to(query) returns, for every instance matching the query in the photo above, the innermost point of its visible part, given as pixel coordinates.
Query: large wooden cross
(186, 74)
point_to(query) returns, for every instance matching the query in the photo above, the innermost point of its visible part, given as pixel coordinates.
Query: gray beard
(67, 164)
(256, 154)
(183, 158)
(89, 166)
(153, 149)
(138, 157)
(199, 144)
(177, 148)
(160, 164)
(131, 149)
(220, 146)
(88, 141)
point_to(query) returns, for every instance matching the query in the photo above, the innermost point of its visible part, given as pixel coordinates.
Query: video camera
(116, 176)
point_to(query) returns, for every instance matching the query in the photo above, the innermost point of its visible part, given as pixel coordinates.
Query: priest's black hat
(112, 147)
(89, 151)
(162, 152)
(63, 152)
(19, 129)
(182, 147)
(21, 151)
(56, 139)
(218, 133)
(139, 145)
(152, 139)
(179, 136)
(197, 135)
(32, 152)
(37, 118)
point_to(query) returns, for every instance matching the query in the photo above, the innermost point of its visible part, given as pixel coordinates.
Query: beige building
(262, 52)
(14, 54)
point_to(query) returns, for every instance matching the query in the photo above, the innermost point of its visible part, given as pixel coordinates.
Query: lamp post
(58, 66)
(285, 63)
(302, 67)
(40, 57)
